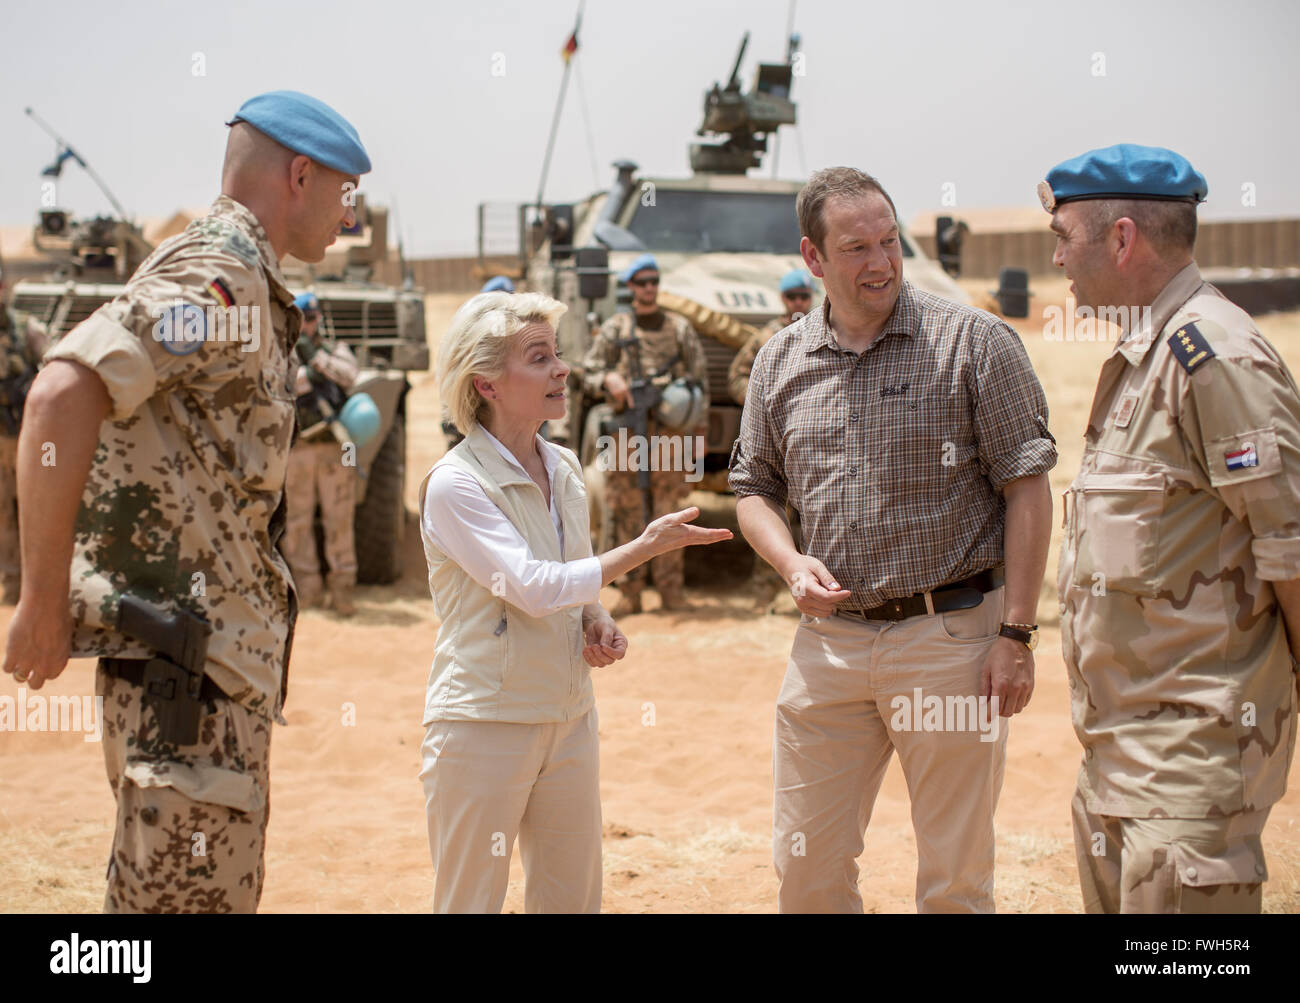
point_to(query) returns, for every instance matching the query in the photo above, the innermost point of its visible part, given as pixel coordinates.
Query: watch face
(1033, 640)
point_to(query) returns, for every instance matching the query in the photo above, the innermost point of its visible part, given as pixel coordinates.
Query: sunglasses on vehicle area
(310, 314)
(798, 296)
(653, 281)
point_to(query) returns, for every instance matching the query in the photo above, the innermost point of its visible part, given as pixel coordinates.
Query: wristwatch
(1025, 633)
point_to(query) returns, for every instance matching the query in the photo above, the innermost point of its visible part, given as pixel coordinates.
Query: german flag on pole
(571, 46)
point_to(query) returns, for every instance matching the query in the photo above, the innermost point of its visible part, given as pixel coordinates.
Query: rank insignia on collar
(1190, 348)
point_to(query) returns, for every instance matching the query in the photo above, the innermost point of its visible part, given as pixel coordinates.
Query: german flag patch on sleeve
(1190, 348)
(220, 292)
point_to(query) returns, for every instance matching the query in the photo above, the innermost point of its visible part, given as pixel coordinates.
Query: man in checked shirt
(910, 433)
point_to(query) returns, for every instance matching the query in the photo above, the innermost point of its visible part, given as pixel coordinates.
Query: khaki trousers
(854, 693)
(1169, 865)
(486, 782)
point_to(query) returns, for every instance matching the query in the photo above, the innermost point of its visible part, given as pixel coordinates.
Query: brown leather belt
(132, 671)
(965, 594)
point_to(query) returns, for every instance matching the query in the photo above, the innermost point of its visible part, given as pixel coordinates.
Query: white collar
(549, 456)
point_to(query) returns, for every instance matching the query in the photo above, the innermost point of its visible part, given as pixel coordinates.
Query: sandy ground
(685, 725)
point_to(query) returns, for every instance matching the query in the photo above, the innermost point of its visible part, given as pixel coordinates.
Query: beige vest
(493, 662)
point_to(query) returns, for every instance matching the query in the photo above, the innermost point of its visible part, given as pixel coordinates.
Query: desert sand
(685, 725)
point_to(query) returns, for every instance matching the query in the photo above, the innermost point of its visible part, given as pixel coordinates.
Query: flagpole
(559, 106)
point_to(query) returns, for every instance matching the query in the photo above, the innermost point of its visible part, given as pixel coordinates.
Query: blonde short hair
(479, 342)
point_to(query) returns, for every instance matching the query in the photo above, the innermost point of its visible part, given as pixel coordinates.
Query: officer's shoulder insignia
(1190, 347)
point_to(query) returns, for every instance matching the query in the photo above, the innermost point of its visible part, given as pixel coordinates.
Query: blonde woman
(511, 747)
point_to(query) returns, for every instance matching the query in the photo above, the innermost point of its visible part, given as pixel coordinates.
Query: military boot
(341, 596)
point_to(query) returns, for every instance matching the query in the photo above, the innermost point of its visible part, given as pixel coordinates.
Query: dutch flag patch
(1243, 457)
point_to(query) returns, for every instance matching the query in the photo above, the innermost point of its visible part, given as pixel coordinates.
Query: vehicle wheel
(380, 522)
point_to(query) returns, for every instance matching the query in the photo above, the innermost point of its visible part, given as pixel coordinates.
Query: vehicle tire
(380, 523)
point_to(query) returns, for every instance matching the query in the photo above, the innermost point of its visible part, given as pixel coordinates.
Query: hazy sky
(985, 97)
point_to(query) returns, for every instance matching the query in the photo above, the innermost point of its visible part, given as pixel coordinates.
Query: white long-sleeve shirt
(464, 524)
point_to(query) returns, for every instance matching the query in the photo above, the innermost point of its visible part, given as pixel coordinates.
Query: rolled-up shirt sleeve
(465, 525)
(757, 465)
(1010, 411)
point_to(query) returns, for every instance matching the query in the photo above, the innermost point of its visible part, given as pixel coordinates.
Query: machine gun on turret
(104, 248)
(746, 120)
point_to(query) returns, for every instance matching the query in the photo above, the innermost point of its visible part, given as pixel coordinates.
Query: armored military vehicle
(723, 240)
(92, 259)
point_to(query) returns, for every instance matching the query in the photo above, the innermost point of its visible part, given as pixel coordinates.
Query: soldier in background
(1180, 566)
(796, 289)
(663, 347)
(496, 284)
(22, 343)
(317, 468)
(152, 541)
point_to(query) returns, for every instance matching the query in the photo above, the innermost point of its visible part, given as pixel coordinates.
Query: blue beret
(307, 301)
(498, 284)
(1126, 171)
(796, 279)
(639, 265)
(306, 126)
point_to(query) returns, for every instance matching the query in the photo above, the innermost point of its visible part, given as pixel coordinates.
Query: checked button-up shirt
(895, 458)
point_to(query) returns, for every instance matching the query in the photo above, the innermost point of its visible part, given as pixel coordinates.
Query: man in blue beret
(321, 470)
(1179, 572)
(153, 541)
(657, 346)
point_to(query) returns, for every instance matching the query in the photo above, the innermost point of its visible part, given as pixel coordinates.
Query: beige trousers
(854, 693)
(1170, 865)
(486, 782)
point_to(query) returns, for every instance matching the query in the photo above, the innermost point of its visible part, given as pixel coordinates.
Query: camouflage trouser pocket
(1219, 882)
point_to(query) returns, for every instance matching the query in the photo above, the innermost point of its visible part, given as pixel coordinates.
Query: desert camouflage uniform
(317, 472)
(183, 508)
(743, 363)
(1181, 679)
(669, 349)
(765, 581)
(17, 365)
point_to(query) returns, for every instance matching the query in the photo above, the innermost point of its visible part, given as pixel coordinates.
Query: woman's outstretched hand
(674, 531)
(605, 643)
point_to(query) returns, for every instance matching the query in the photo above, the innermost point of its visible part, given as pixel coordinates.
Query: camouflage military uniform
(743, 363)
(765, 581)
(317, 472)
(1181, 679)
(669, 349)
(183, 508)
(17, 368)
